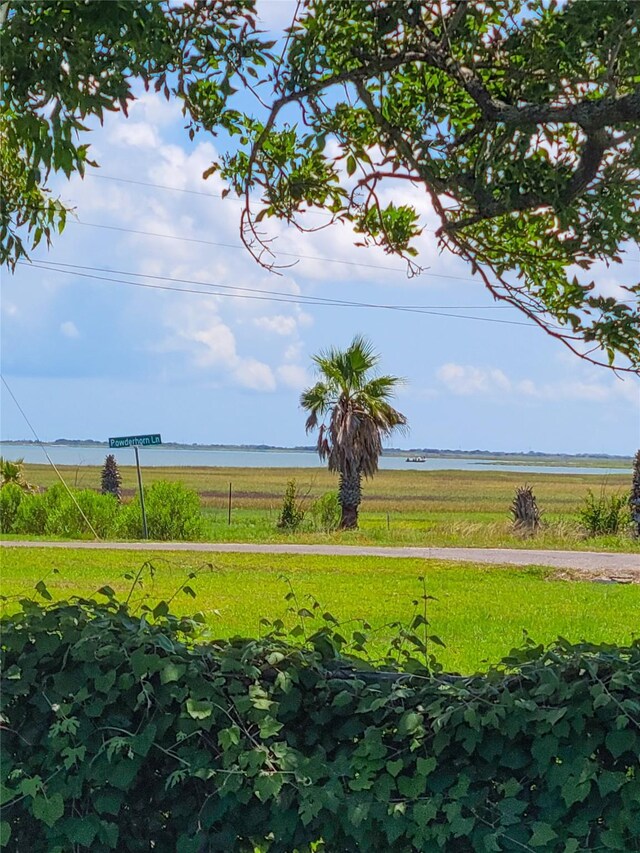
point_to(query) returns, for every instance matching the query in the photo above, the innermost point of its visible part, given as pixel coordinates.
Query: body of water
(168, 456)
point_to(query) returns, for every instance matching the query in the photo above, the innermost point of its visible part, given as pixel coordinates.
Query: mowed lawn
(480, 612)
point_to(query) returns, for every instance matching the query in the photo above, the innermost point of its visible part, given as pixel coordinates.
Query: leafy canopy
(65, 61)
(519, 119)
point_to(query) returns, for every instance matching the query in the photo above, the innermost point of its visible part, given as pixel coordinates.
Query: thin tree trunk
(350, 495)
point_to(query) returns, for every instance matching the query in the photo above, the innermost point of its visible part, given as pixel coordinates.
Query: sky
(89, 358)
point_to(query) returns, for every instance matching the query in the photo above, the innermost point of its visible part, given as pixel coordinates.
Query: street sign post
(137, 441)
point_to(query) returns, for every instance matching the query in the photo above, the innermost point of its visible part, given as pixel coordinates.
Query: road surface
(624, 567)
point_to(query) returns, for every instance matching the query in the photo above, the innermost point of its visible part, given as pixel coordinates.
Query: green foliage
(173, 513)
(523, 115)
(31, 517)
(11, 496)
(56, 513)
(53, 53)
(64, 517)
(325, 512)
(604, 514)
(292, 513)
(120, 732)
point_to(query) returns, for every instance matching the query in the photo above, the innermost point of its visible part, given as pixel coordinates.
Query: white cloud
(275, 15)
(468, 380)
(293, 376)
(596, 392)
(69, 329)
(251, 373)
(231, 339)
(304, 319)
(293, 352)
(215, 344)
(592, 391)
(155, 109)
(277, 324)
(210, 345)
(135, 134)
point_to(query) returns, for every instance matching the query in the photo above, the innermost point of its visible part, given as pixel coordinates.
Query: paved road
(623, 566)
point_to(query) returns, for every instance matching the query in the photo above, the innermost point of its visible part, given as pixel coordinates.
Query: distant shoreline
(500, 456)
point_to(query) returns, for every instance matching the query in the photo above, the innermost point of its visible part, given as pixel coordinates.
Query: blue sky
(88, 358)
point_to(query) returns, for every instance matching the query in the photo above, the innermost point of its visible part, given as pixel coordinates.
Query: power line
(156, 186)
(234, 287)
(287, 254)
(323, 259)
(49, 459)
(240, 201)
(256, 294)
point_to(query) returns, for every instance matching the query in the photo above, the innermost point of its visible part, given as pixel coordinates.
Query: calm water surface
(158, 456)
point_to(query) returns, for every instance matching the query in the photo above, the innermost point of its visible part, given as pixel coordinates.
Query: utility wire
(237, 200)
(156, 186)
(281, 254)
(49, 459)
(254, 293)
(329, 300)
(288, 254)
(299, 257)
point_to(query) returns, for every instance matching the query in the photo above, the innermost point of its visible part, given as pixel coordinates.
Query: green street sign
(135, 441)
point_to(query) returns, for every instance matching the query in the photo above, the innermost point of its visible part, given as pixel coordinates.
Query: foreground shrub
(326, 512)
(173, 513)
(31, 517)
(120, 734)
(604, 514)
(11, 496)
(56, 513)
(76, 518)
(292, 514)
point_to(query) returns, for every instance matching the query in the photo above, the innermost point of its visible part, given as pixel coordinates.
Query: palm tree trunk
(349, 496)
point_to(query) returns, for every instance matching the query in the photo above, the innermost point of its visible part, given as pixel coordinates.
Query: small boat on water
(416, 459)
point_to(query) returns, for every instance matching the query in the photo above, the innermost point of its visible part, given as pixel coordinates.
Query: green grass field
(438, 508)
(480, 611)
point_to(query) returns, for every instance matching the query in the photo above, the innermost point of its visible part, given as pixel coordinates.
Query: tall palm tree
(351, 409)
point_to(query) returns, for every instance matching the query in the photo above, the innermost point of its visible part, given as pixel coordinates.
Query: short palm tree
(13, 472)
(349, 406)
(110, 479)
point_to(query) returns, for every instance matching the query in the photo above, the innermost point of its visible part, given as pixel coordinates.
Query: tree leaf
(48, 809)
(199, 709)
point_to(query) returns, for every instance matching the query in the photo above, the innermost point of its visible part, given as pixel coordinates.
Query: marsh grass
(413, 529)
(422, 508)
